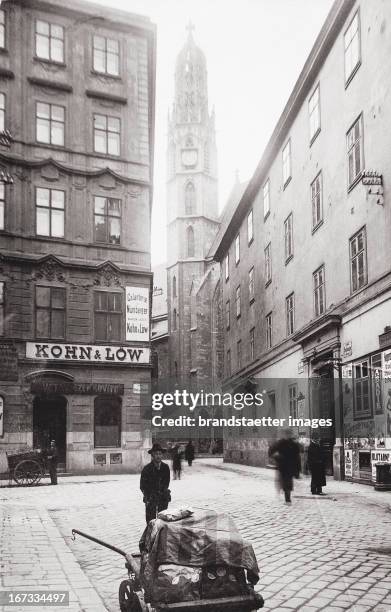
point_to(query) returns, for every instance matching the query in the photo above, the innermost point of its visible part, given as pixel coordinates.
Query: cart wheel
(128, 600)
(27, 472)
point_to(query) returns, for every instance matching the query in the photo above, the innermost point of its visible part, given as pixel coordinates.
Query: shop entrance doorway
(323, 407)
(49, 423)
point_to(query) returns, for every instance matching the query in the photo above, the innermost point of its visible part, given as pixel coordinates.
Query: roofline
(328, 34)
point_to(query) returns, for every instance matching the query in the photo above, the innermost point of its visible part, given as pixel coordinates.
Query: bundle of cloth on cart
(188, 555)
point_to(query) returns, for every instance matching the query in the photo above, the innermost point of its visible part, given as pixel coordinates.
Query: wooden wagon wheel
(128, 600)
(27, 472)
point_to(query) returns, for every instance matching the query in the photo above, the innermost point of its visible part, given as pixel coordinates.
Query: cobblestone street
(330, 553)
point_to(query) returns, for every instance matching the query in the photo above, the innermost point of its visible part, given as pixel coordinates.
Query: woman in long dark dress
(177, 462)
(316, 467)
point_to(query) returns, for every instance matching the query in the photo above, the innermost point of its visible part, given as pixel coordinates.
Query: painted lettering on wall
(87, 353)
(137, 314)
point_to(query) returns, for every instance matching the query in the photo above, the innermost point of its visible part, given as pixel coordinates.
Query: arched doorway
(50, 423)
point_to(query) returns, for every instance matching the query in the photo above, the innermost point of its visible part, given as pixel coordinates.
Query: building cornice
(327, 36)
(101, 95)
(50, 84)
(316, 327)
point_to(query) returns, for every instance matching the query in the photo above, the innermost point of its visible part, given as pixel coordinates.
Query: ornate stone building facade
(77, 95)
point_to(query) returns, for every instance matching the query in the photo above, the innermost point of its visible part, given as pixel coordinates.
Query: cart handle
(129, 558)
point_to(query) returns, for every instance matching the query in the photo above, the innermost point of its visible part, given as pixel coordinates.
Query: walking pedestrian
(52, 461)
(177, 462)
(154, 482)
(286, 453)
(189, 452)
(316, 466)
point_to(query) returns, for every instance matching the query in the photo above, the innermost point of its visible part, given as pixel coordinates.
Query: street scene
(329, 553)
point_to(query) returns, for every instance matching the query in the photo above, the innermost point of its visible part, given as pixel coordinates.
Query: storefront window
(107, 422)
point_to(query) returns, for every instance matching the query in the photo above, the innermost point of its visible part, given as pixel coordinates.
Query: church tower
(192, 202)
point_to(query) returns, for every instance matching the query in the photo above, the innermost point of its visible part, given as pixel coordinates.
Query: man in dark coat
(154, 482)
(316, 467)
(286, 454)
(189, 452)
(52, 461)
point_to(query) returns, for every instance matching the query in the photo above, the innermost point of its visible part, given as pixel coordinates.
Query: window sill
(317, 226)
(355, 182)
(269, 282)
(288, 259)
(193, 329)
(252, 300)
(227, 279)
(352, 74)
(288, 180)
(249, 243)
(115, 77)
(49, 61)
(266, 216)
(237, 262)
(238, 316)
(61, 239)
(107, 156)
(314, 137)
(352, 293)
(51, 146)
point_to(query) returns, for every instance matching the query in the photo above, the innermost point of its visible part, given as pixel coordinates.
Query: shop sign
(137, 314)
(87, 353)
(300, 367)
(379, 457)
(385, 339)
(347, 349)
(72, 388)
(8, 362)
(372, 177)
(348, 463)
(347, 370)
(387, 365)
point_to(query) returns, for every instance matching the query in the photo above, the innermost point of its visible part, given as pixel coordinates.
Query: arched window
(190, 198)
(107, 422)
(190, 242)
(174, 319)
(174, 287)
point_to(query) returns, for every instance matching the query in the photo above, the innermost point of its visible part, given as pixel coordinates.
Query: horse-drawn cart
(27, 468)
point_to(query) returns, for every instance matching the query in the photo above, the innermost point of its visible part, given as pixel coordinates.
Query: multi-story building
(77, 88)
(306, 255)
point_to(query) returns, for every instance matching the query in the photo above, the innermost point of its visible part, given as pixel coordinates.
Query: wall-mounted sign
(1, 416)
(348, 463)
(371, 177)
(385, 339)
(347, 348)
(300, 367)
(347, 370)
(87, 353)
(8, 362)
(137, 314)
(386, 357)
(379, 456)
(72, 388)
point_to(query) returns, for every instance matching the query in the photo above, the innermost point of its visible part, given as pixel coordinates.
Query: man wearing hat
(53, 459)
(154, 482)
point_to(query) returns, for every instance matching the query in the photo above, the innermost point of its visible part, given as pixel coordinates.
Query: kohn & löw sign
(87, 353)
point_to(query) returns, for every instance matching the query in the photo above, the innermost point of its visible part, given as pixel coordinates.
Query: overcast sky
(255, 50)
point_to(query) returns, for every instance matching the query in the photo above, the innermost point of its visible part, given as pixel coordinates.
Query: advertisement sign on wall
(137, 314)
(348, 463)
(379, 457)
(87, 353)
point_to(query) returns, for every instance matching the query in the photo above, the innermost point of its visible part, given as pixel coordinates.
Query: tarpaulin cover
(204, 539)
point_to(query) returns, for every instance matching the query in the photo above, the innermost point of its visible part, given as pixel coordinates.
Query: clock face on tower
(189, 158)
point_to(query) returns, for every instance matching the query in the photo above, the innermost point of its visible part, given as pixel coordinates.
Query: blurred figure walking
(177, 462)
(189, 452)
(316, 466)
(286, 454)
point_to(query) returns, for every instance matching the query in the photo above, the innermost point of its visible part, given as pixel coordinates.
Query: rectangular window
(49, 41)
(269, 330)
(239, 353)
(361, 376)
(50, 312)
(237, 249)
(2, 112)
(266, 198)
(354, 143)
(107, 220)
(293, 401)
(358, 260)
(237, 302)
(316, 201)
(252, 343)
(107, 316)
(107, 135)
(286, 164)
(290, 314)
(2, 29)
(319, 291)
(227, 267)
(250, 228)
(106, 55)
(251, 285)
(352, 48)
(228, 363)
(314, 114)
(2, 308)
(288, 231)
(227, 314)
(268, 263)
(50, 212)
(50, 124)
(2, 206)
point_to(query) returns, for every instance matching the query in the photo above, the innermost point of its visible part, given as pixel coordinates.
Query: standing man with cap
(53, 459)
(154, 482)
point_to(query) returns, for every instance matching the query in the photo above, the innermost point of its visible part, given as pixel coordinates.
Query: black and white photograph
(195, 305)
